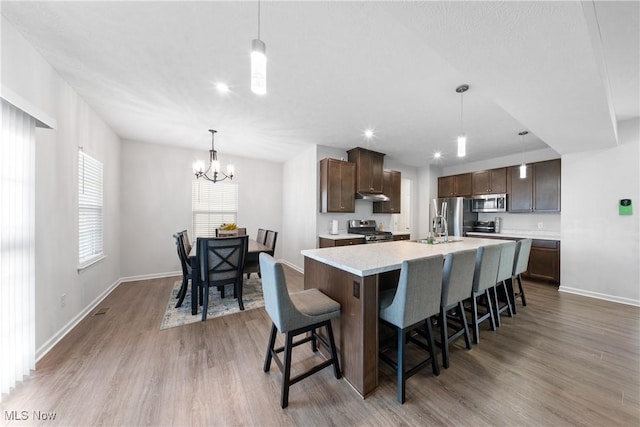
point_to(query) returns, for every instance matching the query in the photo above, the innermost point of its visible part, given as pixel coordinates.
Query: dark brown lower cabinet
(544, 261)
(330, 243)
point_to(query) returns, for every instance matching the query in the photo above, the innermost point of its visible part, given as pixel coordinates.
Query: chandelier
(212, 173)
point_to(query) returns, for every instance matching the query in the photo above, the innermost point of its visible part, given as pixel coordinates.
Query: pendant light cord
(258, 19)
(461, 111)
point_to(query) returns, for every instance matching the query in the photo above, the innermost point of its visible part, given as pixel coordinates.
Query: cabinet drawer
(347, 242)
(551, 244)
(401, 237)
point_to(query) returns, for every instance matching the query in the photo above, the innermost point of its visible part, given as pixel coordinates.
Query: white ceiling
(565, 71)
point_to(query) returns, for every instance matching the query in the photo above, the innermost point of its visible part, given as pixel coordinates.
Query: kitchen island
(353, 276)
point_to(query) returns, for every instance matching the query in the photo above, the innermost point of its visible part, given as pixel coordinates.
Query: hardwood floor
(562, 360)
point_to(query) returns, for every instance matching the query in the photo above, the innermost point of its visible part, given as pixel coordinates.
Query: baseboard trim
(51, 342)
(293, 266)
(151, 276)
(606, 297)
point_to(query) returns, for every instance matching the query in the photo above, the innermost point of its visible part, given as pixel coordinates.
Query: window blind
(90, 199)
(17, 246)
(213, 205)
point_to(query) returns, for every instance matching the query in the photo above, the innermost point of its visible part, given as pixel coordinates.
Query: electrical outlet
(63, 300)
(540, 225)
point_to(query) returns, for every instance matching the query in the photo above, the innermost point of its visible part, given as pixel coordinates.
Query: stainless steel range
(367, 227)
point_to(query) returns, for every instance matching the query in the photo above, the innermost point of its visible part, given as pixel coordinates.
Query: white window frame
(90, 210)
(212, 204)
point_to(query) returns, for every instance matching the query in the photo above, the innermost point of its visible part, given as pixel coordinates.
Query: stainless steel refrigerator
(458, 215)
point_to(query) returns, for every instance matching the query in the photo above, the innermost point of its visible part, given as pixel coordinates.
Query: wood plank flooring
(562, 360)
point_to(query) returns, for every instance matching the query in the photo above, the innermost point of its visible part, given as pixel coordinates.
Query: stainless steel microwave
(489, 203)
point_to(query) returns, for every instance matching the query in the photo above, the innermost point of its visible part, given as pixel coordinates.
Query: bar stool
(294, 314)
(520, 265)
(457, 282)
(505, 270)
(484, 279)
(408, 308)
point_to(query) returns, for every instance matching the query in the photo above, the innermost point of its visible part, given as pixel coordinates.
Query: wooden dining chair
(270, 241)
(221, 261)
(261, 236)
(186, 267)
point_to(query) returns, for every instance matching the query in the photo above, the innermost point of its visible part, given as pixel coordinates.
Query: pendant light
(258, 63)
(462, 137)
(523, 166)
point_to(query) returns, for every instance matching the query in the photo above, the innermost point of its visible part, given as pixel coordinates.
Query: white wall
(156, 202)
(26, 74)
(299, 206)
(599, 250)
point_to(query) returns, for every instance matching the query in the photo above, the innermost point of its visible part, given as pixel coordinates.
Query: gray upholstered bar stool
(409, 308)
(457, 282)
(295, 314)
(505, 270)
(520, 265)
(484, 279)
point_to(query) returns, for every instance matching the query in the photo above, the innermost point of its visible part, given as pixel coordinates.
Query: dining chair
(186, 267)
(294, 314)
(505, 270)
(186, 241)
(484, 279)
(270, 241)
(221, 261)
(457, 282)
(409, 308)
(261, 236)
(520, 265)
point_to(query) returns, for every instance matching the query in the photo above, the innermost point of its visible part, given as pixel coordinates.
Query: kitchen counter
(353, 276)
(340, 236)
(344, 236)
(367, 260)
(519, 234)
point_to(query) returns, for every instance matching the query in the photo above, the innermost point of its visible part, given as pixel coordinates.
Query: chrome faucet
(439, 225)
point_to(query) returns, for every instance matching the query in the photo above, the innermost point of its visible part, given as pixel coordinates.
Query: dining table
(254, 249)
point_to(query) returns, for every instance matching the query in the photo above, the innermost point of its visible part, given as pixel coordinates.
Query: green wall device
(624, 207)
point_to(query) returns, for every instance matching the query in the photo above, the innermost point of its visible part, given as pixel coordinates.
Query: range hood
(377, 197)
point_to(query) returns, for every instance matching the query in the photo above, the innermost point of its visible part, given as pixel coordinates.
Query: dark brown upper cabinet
(520, 197)
(337, 186)
(369, 167)
(546, 186)
(493, 181)
(455, 185)
(539, 191)
(391, 184)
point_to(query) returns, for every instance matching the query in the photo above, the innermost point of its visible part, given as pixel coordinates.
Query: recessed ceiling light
(368, 133)
(222, 87)
(437, 155)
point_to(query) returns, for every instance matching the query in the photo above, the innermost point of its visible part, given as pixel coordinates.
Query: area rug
(251, 296)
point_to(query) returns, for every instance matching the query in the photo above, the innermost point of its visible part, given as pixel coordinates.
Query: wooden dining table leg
(195, 285)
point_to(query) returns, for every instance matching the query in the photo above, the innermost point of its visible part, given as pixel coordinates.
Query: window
(213, 205)
(90, 224)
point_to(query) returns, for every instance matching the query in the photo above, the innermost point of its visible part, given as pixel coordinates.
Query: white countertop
(366, 260)
(344, 235)
(520, 234)
(340, 236)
